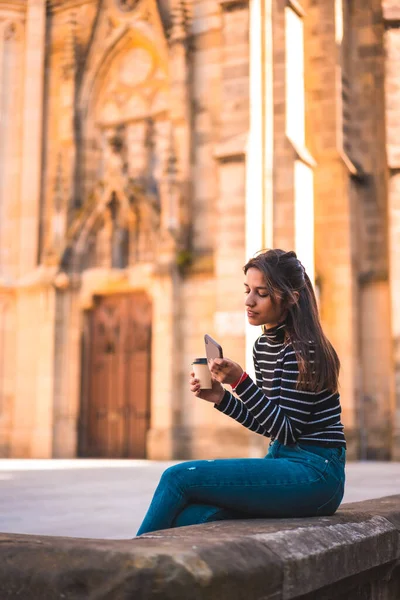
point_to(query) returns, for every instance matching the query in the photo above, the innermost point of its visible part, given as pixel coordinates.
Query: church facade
(147, 149)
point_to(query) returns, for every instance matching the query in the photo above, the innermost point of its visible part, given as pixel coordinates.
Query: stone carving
(115, 160)
(70, 49)
(127, 207)
(111, 25)
(180, 23)
(135, 66)
(127, 5)
(119, 234)
(10, 32)
(129, 87)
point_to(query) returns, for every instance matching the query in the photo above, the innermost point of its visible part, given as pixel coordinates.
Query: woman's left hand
(225, 370)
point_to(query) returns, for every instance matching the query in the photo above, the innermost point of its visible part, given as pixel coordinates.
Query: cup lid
(199, 361)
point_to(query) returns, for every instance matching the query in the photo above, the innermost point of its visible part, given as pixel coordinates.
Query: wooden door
(116, 416)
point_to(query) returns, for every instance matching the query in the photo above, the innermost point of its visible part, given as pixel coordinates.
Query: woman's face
(259, 307)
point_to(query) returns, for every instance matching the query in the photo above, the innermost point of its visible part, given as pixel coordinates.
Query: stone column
(163, 438)
(32, 435)
(334, 218)
(260, 144)
(7, 369)
(181, 116)
(32, 127)
(59, 188)
(345, 106)
(394, 357)
(230, 214)
(392, 88)
(364, 143)
(229, 319)
(67, 369)
(32, 411)
(230, 210)
(167, 437)
(11, 84)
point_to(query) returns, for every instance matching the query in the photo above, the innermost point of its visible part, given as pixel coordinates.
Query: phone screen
(213, 349)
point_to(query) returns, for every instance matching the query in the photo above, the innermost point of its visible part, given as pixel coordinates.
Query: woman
(294, 400)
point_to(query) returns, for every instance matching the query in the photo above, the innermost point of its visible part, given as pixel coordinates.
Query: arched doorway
(115, 407)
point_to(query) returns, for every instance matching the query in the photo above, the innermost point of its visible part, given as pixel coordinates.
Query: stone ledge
(241, 560)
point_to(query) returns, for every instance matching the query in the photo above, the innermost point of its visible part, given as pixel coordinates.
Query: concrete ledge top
(260, 558)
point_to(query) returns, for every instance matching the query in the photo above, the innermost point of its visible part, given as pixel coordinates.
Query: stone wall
(345, 104)
(391, 13)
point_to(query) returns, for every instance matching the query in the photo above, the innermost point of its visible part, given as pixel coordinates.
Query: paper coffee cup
(202, 373)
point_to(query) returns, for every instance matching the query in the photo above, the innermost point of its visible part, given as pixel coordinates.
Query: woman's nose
(249, 301)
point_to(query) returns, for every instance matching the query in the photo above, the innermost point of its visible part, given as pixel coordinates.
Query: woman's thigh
(271, 487)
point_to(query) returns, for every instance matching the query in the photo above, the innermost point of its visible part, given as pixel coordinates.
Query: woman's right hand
(214, 395)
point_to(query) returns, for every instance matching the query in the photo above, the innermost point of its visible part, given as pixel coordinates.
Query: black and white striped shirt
(274, 407)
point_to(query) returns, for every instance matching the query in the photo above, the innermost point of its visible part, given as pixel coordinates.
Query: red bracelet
(241, 378)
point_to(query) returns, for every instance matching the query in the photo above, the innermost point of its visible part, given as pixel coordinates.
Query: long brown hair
(284, 276)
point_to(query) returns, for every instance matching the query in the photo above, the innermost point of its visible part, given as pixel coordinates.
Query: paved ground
(108, 499)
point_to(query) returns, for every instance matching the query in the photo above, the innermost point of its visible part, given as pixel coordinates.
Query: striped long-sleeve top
(273, 407)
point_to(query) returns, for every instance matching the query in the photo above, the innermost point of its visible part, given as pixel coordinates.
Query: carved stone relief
(125, 222)
(10, 32)
(127, 5)
(134, 87)
(127, 147)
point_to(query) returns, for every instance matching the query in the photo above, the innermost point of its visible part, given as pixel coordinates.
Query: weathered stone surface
(188, 564)
(388, 507)
(242, 560)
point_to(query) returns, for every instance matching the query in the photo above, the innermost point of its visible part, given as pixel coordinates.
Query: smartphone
(213, 349)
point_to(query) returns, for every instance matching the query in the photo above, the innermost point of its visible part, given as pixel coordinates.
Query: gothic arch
(102, 54)
(106, 62)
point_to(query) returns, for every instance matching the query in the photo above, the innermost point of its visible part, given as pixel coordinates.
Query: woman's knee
(168, 475)
(177, 473)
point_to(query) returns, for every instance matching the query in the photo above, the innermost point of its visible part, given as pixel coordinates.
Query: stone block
(252, 559)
